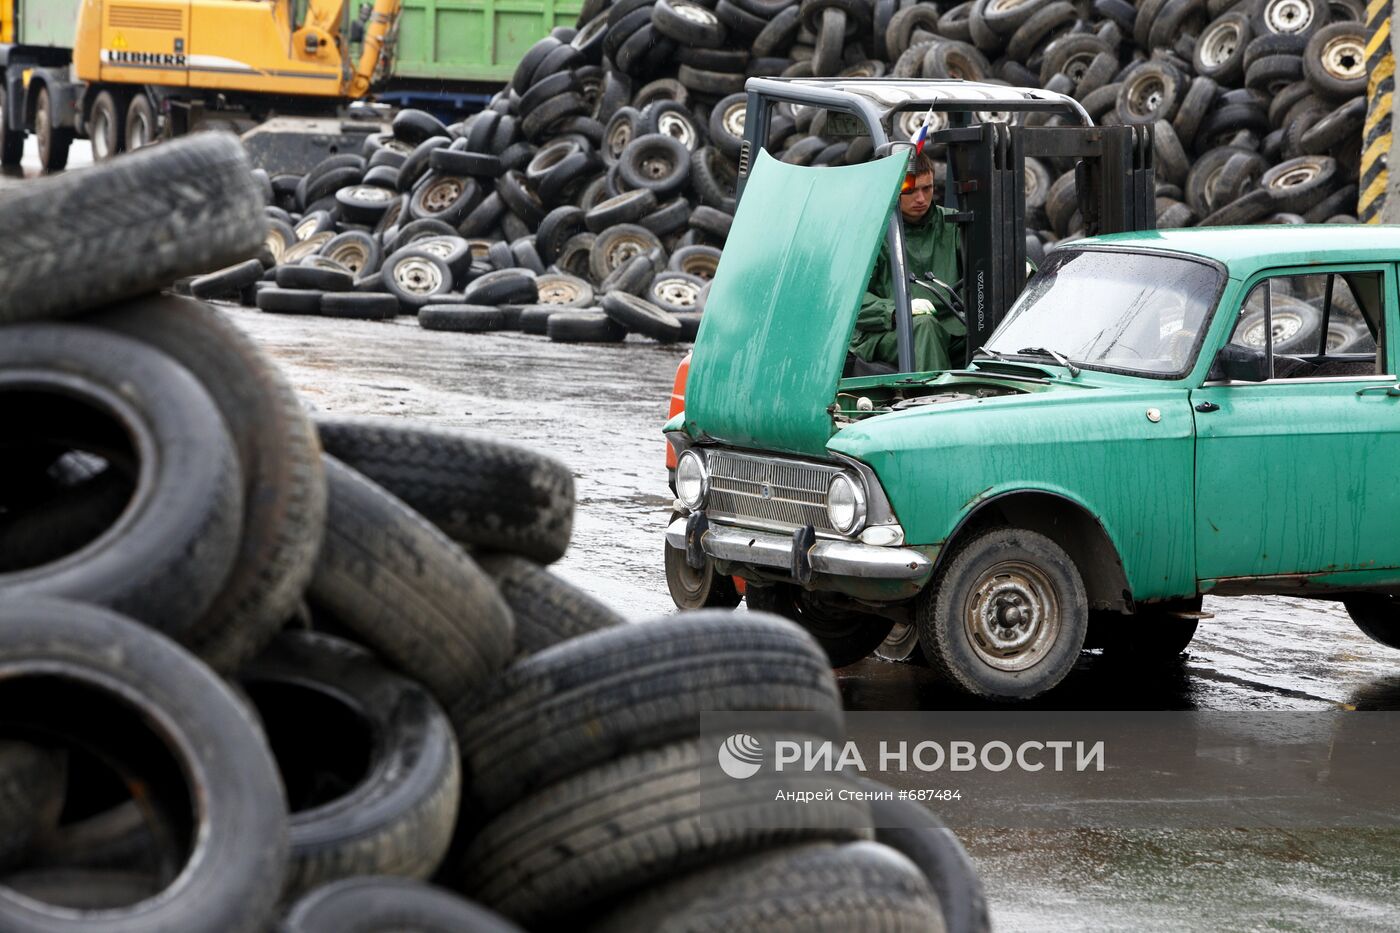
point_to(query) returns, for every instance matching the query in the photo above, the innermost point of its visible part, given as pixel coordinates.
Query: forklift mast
(985, 183)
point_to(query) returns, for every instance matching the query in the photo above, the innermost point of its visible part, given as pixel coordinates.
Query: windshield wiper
(1057, 357)
(985, 351)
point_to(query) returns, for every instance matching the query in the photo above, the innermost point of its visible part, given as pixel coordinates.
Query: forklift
(988, 132)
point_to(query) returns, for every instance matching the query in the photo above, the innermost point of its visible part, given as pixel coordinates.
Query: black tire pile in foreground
(260, 671)
(590, 198)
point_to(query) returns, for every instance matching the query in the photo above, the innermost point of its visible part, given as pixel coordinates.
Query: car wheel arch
(1066, 522)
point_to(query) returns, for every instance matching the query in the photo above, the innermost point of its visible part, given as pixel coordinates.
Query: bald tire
(31, 795)
(374, 904)
(547, 609)
(814, 888)
(284, 510)
(481, 492)
(407, 592)
(185, 207)
(638, 819)
(635, 686)
(916, 832)
(941, 610)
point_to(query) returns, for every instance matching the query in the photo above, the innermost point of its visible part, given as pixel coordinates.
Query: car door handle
(1392, 391)
(1207, 407)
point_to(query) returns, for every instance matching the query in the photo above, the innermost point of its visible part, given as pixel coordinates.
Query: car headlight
(692, 482)
(845, 504)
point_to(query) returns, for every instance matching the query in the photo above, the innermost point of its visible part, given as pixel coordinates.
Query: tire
(480, 492)
(1289, 17)
(699, 261)
(1249, 209)
(615, 246)
(727, 123)
(856, 886)
(106, 126)
(626, 208)
(1298, 184)
(713, 176)
(118, 678)
(641, 316)
(356, 250)
(1152, 91)
(416, 126)
(676, 292)
(1335, 60)
(846, 637)
(1220, 49)
(314, 278)
(1153, 635)
(902, 644)
(1173, 165)
(289, 301)
(534, 319)
(284, 486)
(634, 687)
(547, 610)
(53, 140)
(227, 283)
(84, 889)
(584, 327)
(359, 306)
(1273, 73)
(11, 141)
(564, 291)
(142, 123)
(632, 278)
(1337, 128)
(168, 556)
(416, 277)
(1375, 614)
(454, 162)
(629, 823)
(504, 286)
(448, 198)
(656, 162)
(426, 609)
(555, 230)
(1009, 563)
(1199, 99)
(417, 164)
(376, 798)
(919, 835)
(1297, 327)
(697, 589)
(371, 905)
(464, 318)
(185, 208)
(712, 222)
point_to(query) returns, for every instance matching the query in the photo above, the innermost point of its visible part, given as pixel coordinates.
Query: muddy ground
(599, 408)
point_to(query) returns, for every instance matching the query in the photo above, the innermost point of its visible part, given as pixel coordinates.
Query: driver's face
(916, 197)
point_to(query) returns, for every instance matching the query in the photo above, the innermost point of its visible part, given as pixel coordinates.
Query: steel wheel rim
(677, 292)
(624, 250)
(559, 293)
(733, 119)
(418, 276)
(1218, 44)
(678, 128)
(101, 125)
(900, 643)
(351, 255)
(702, 266)
(442, 195)
(371, 194)
(1288, 17)
(1344, 58)
(695, 14)
(619, 138)
(1012, 616)
(1145, 96)
(1298, 175)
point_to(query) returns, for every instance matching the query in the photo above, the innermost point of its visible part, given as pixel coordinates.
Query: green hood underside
(784, 300)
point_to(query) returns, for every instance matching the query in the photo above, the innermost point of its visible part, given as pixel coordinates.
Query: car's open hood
(784, 300)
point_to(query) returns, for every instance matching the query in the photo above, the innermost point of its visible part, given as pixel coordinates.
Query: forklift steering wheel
(945, 292)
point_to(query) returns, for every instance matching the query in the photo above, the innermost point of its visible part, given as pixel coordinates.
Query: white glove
(921, 306)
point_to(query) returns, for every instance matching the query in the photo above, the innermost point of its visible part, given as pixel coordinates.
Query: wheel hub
(1013, 616)
(558, 293)
(657, 167)
(442, 195)
(1288, 16)
(1344, 58)
(678, 128)
(1218, 44)
(351, 256)
(680, 293)
(733, 119)
(418, 276)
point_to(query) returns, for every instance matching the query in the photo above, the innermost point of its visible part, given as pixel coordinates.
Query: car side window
(1319, 325)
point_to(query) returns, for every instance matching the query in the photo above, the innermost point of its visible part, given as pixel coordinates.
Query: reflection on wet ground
(600, 409)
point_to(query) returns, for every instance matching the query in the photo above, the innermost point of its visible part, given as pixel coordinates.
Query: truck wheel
(1006, 618)
(11, 141)
(1375, 614)
(697, 589)
(846, 637)
(142, 124)
(106, 127)
(53, 140)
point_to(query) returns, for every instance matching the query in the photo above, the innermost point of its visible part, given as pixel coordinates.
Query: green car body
(1160, 485)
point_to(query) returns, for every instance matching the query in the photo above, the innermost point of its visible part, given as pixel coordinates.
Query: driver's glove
(921, 306)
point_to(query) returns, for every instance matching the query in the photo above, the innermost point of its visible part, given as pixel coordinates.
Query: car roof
(1246, 250)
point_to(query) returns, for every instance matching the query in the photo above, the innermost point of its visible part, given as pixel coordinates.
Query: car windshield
(1112, 309)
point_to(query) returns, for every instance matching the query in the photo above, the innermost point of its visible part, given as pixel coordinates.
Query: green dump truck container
(473, 40)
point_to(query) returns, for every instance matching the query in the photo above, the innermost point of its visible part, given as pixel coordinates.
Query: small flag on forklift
(921, 136)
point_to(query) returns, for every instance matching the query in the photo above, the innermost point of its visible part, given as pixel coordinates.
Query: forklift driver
(930, 246)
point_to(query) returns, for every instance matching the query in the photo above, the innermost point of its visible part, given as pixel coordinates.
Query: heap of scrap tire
(591, 198)
(262, 669)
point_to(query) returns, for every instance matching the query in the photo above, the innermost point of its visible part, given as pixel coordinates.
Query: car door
(1296, 474)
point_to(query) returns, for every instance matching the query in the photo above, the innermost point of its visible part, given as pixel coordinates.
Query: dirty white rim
(1012, 617)
(418, 276)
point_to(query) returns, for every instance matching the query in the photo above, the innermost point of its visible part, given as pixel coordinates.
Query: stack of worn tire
(590, 199)
(260, 668)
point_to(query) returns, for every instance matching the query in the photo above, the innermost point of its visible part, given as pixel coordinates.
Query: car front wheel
(697, 589)
(846, 637)
(1378, 615)
(1006, 618)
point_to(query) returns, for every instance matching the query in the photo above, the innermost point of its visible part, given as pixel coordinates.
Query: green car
(1160, 415)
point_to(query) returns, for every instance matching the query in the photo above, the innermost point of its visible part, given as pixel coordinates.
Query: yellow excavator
(124, 72)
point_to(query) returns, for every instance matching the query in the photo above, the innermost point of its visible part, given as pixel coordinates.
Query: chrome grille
(788, 493)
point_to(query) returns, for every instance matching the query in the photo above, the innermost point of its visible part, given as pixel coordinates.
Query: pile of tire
(259, 667)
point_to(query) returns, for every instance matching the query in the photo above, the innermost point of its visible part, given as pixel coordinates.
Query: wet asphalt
(600, 409)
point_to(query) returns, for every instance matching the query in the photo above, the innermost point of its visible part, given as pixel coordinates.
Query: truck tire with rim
(697, 589)
(1006, 616)
(53, 140)
(142, 123)
(106, 125)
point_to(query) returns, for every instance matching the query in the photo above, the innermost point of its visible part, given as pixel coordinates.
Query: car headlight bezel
(690, 468)
(851, 496)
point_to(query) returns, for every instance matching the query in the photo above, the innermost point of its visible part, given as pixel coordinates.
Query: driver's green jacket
(931, 245)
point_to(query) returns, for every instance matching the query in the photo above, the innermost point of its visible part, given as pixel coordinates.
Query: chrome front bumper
(837, 558)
